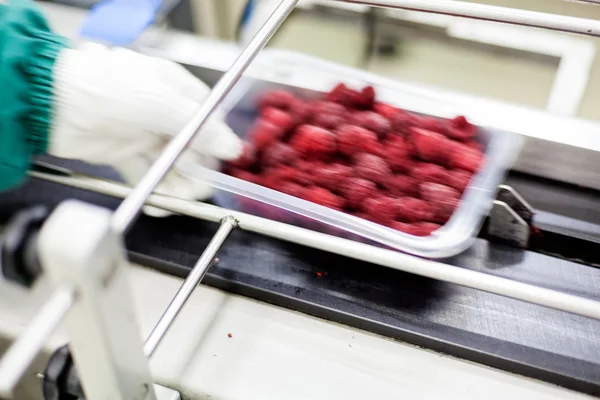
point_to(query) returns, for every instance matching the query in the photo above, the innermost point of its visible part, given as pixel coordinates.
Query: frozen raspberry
(323, 197)
(397, 152)
(371, 121)
(247, 159)
(461, 129)
(426, 228)
(353, 139)
(401, 226)
(332, 175)
(263, 133)
(285, 173)
(365, 99)
(430, 146)
(278, 117)
(442, 198)
(277, 98)
(278, 153)
(244, 175)
(366, 216)
(342, 94)
(465, 157)
(299, 111)
(474, 144)
(291, 188)
(432, 124)
(410, 209)
(383, 209)
(426, 172)
(327, 107)
(436, 192)
(371, 167)
(419, 228)
(402, 121)
(355, 190)
(401, 185)
(328, 121)
(313, 141)
(385, 110)
(310, 165)
(459, 179)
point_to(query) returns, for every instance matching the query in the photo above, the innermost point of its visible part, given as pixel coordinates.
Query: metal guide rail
(90, 287)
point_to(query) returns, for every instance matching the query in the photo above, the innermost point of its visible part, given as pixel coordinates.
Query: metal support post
(79, 250)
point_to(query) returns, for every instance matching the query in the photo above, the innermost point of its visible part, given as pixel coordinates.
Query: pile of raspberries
(349, 152)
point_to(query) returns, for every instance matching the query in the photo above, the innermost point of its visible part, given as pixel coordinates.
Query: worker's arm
(28, 52)
(94, 103)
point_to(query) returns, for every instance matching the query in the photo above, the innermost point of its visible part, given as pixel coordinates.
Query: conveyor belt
(504, 333)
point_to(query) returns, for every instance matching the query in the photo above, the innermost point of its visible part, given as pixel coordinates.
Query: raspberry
(410, 209)
(383, 209)
(397, 153)
(327, 107)
(442, 198)
(323, 197)
(299, 111)
(371, 121)
(474, 144)
(430, 146)
(332, 175)
(430, 173)
(461, 129)
(291, 188)
(432, 124)
(354, 139)
(278, 153)
(403, 121)
(459, 179)
(328, 121)
(364, 216)
(263, 133)
(401, 185)
(355, 190)
(371, 167)
(247, 159)
(278, 117)
(282, 173)
(417, 229)
(342, 94)
(385, 110)
(465, 157)
(313, 141)
(276, 98)
(365, 98)
(425, 228)
(435, 192)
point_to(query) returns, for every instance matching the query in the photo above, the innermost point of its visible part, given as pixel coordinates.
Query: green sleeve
(28, 51)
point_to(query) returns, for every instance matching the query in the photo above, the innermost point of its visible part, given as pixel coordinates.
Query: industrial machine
(522, 297)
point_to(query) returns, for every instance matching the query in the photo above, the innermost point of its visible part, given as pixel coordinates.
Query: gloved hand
(117, 107)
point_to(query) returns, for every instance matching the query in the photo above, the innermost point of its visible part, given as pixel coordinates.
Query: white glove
(117, 107)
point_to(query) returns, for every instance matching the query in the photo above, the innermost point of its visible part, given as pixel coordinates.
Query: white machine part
(282, 354)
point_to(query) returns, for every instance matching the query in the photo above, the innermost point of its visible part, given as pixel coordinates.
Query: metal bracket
(79, 250)
(510, 218)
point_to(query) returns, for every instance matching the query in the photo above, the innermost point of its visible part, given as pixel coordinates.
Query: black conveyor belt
(505, 333)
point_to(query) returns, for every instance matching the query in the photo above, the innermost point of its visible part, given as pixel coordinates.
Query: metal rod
(187, 287)
(21, 354)
(360, 251)
(129, 209)
(492, 13)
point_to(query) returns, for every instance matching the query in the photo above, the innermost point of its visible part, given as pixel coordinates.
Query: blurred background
(541, 69)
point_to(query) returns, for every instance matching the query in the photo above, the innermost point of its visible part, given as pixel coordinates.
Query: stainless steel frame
(126, 214)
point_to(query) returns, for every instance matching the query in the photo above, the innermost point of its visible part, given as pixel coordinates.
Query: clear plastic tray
(501, 149)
